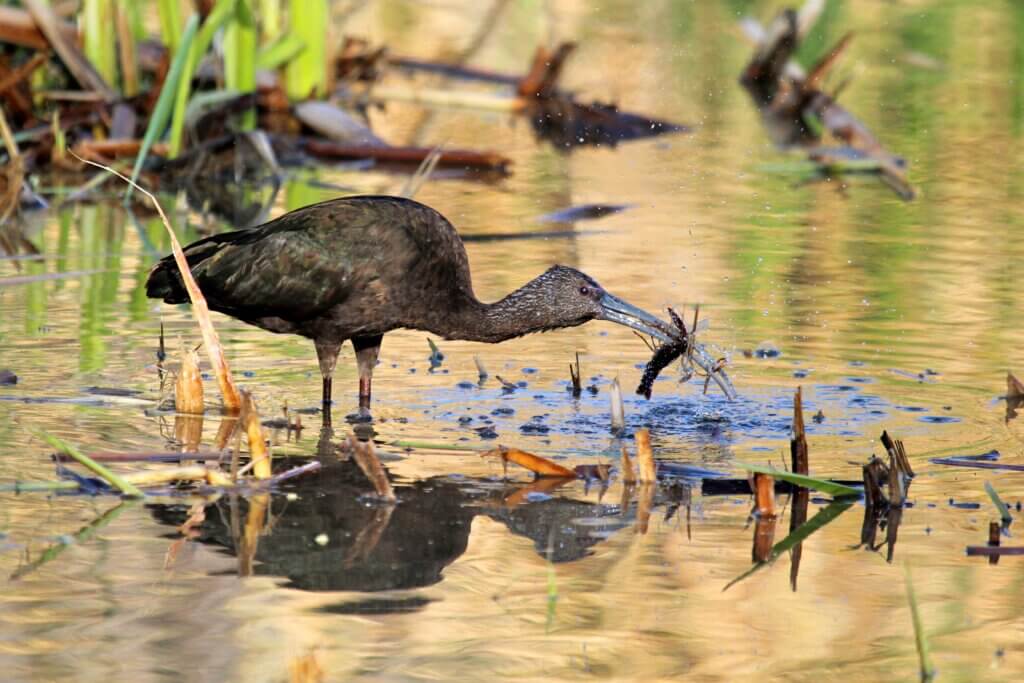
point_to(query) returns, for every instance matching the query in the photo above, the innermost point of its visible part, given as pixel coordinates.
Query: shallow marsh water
(902, 316)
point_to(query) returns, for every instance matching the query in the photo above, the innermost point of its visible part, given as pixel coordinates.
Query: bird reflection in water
(330, 536)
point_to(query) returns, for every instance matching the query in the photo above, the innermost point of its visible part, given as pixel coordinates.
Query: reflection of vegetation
(824, 517)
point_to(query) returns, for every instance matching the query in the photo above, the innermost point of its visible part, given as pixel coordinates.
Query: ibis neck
(524, 311)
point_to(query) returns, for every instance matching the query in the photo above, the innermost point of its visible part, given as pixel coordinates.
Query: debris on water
(321, 539)
(535, 426)
(766, 350)
(487, 432)
(985, 461)
(819, 417)
(506, 386)
(988, 551)
(583, 212)
(503, 412)
(7, 377)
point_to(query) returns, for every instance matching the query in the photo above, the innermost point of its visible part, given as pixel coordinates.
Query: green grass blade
(799, 535)
(306, 74)
(170, 24)
(824, 485)
(279, 52)
(923, 651)
(97, 43)
(126, 488)
(270, 19)
(223, 11)
(240, 56)
(164, 103)
(1004, 512)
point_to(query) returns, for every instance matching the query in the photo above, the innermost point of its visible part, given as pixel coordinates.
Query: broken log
(458, 158)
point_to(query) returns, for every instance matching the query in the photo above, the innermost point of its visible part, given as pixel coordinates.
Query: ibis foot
(362, 416)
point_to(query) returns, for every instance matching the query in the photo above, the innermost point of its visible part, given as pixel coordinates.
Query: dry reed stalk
(258, 452)
(210, 475)
(188, 387)
(228, 389)
(540, 466)
(645, 456)
(618, 409)
(628, 471)
(764, 538)
(764, 494)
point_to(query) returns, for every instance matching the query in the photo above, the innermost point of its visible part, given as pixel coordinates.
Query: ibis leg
(367, 350)
(327, 354)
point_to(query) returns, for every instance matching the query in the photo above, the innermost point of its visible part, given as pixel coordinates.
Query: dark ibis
(356, 268)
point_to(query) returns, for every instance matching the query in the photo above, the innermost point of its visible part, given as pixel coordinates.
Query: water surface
(890, 315)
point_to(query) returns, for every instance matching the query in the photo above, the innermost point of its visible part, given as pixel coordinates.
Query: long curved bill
(618, 311)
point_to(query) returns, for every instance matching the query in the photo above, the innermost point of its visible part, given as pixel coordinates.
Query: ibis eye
(584, 290)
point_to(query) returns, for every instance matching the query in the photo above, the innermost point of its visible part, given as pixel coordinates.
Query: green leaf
(281, 51)
(221, 13)
(1004, 512)
(832, 488)
(125, 487)
(165, 102)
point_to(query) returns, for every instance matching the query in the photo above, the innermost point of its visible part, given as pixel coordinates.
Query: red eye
(584, 290)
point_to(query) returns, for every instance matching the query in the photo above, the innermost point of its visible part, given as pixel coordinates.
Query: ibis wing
(288, 274)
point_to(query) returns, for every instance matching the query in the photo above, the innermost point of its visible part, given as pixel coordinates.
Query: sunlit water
(890, 315)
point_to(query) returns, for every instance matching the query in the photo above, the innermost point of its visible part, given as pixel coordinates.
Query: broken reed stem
(228, 389)
(188, 387)
(628, 471)
(258, 451)
(645, 456)
(125, 487)
(481, 369)
(210, 475)
(574, 374)
(542, 467)
(764, 494)
(798, 443)
(618, 409)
